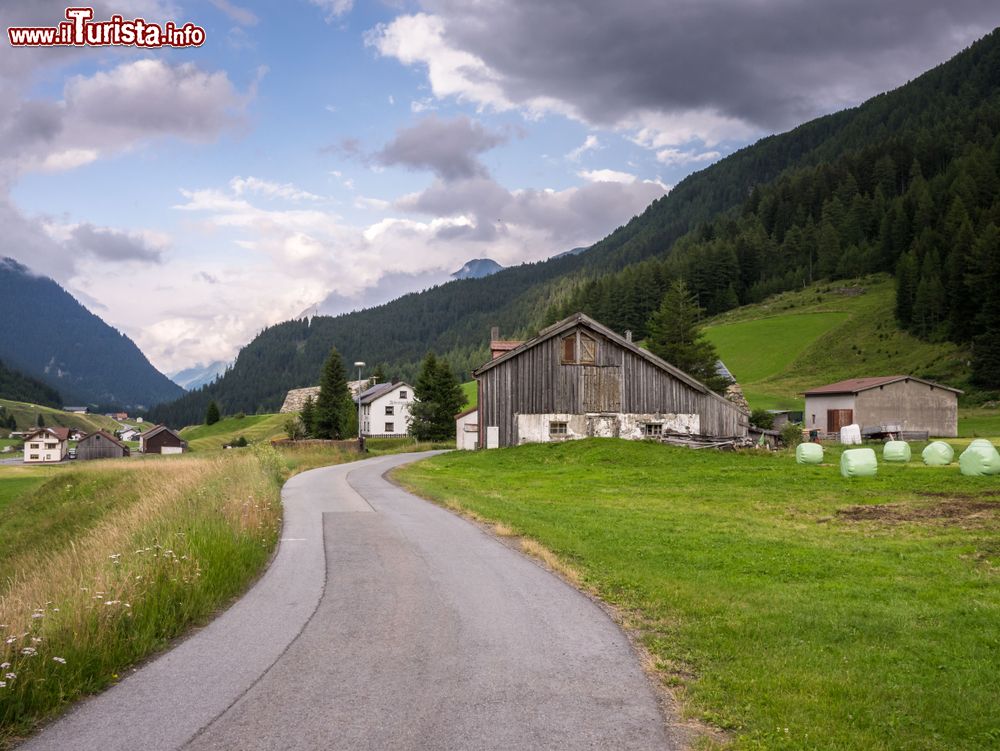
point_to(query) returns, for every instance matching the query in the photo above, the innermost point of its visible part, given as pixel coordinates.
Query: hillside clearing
(825, 333)
(773, 607)
(26, 414)
(252, 427)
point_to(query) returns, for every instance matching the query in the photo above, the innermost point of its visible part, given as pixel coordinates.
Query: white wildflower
(60, 660)
(10, 676)
(4, 665)
(29, 651)
(3, 684)
(11, 640)
(38, 615)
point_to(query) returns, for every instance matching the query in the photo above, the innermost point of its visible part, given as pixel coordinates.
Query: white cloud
(333, 9)
(607, 176)
(241, 185)
(590, 144)
(671, 156)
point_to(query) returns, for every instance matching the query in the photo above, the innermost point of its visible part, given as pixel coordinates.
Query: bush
(762, 419)
(791, 434)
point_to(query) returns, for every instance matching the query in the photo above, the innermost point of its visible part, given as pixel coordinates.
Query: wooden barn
(578, 379)
(906, 403)
(161, 440)
(100, 445)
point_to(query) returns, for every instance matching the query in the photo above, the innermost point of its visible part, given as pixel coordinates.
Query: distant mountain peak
(477, 268)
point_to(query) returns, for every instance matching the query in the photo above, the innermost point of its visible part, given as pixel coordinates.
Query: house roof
(379, 389)
(468, 411)
(156, 429)
(579, 319)
(106, 436)
(61, 433)
(856, 385)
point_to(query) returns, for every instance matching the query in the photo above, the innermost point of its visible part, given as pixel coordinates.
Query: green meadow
(784, 606)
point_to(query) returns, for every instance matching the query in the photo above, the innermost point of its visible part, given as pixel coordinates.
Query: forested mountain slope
(842, 195)
(18, 387)
(46, 334)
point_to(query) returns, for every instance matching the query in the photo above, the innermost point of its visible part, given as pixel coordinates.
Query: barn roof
(106, 436)
(579, 319)
(857, 385)
(157, 429)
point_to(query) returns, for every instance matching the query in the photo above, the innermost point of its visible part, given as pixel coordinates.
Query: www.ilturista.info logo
(80, 30)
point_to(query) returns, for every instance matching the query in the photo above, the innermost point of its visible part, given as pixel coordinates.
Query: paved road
(384, 622)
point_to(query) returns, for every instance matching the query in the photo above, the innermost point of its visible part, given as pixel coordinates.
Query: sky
(326, 155)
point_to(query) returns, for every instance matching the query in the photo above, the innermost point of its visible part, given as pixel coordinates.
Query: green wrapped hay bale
(858, 463)
(980, 460)
(896, 451)
(808, 453)
(938, 454)
(981, 443)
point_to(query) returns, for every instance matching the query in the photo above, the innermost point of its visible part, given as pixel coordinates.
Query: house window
(557, 428)
(653, 429)
(390, 410)
(402, 394)
(390, 427)
(34, 446)
(33, 456)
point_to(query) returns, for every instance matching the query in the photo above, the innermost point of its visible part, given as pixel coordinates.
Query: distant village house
(578, 379)
(385, 410)
(101, 445)
(161, 440)
(46, 445)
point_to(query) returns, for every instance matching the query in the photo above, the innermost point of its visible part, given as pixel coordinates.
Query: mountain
(18, 387)
(845, 194)
(477, 268)
(199, 375)
(46, 334)
(571, 252)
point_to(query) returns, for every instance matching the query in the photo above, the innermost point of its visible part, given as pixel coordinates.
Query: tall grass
(190, 534)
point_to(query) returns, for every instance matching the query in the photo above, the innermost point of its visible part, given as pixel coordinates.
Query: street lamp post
(361, 441)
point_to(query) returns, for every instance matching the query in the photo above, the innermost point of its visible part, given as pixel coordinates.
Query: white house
(46, 445)
(128, 434)
(385, 410)
(467, 429)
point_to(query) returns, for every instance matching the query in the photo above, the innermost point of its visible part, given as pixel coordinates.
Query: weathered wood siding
(98, 447)
(536, 382)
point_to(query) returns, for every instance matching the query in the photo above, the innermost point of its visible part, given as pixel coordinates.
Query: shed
(161, 440)
(100, 445)
(910, 404)
(467, 429)
(578, 378)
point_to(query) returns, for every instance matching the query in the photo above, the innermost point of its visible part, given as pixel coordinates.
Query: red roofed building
(910, 404)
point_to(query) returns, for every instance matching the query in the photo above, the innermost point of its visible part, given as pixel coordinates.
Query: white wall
(377, 422)
(816, 407)
(467, 431)
(535, 428)
(46, 449)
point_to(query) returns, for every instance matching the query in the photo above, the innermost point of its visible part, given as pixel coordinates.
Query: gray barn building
(913, 405)
(100, 445)
(578, 378)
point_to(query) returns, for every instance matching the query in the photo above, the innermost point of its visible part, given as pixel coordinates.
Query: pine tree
(212, 415)
(986, 346)
(675, 336)
(40, 421)
(906, 289)
(334, 406)
(439, 398)
(308, 417)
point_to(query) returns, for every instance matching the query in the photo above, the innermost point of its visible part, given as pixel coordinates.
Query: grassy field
(26, 414)
(979, 423)
(822, 334)
(251, 427)
(471, 394)
(787, 606)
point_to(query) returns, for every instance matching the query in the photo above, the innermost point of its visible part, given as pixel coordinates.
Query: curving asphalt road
(383, 622)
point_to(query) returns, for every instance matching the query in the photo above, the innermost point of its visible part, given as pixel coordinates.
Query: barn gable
(579, 367)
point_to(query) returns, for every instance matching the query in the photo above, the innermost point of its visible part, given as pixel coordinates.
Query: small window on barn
(557, 428)
(588, 350)
(569, 349)
(390, 410)
(653, 429)
(390, 427)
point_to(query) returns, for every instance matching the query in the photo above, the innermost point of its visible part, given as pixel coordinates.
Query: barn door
(602, 389)
(838, 418)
